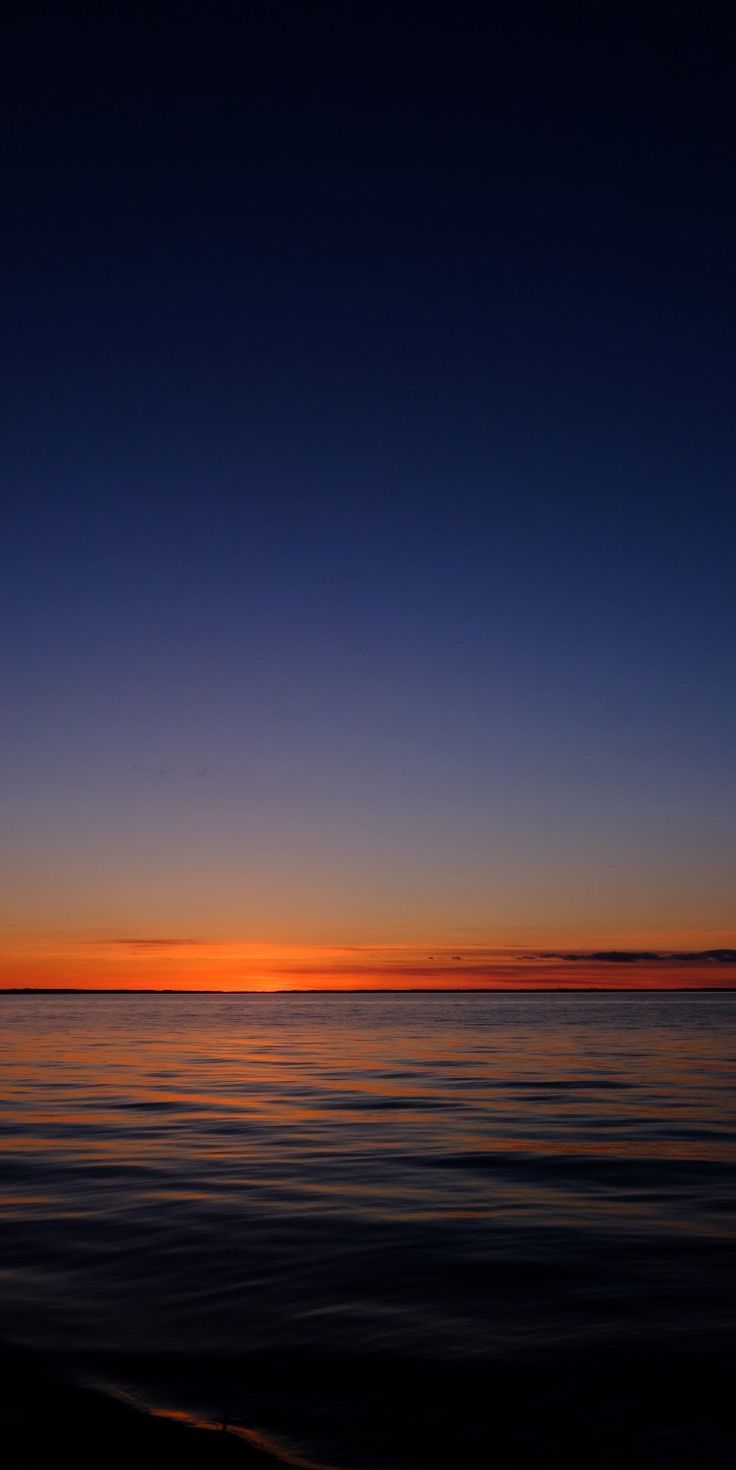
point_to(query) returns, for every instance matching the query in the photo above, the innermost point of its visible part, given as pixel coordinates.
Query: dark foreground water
(391, 1231)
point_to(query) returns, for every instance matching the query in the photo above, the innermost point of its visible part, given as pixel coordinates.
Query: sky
(368, 530)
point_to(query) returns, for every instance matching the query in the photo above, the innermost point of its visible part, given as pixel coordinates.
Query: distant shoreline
(378, 990)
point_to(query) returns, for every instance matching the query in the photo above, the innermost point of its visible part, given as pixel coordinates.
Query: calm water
(385, 1230)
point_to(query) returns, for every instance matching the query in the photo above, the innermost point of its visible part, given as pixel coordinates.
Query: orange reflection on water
(254, 1437)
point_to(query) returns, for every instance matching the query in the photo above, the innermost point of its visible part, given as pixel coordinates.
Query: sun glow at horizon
(65, 961)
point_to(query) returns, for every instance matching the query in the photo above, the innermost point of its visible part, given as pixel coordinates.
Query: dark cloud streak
(640, 956)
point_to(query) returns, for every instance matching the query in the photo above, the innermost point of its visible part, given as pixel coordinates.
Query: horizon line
(366, 990)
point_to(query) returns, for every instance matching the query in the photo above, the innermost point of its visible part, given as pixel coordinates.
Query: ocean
(384, 1231)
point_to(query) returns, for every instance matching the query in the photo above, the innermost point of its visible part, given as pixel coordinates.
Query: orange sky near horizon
(106, 963)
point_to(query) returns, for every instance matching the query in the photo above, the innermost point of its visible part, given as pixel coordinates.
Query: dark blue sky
(369, 447)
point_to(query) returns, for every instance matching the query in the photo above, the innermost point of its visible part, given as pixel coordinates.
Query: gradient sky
(368, 545)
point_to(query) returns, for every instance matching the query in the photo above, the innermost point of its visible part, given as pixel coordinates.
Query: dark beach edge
(49, 1423)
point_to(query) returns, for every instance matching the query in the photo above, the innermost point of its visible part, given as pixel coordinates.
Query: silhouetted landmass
(373, 990)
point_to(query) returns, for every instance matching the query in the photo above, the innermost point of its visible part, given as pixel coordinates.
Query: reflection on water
(321, 1214)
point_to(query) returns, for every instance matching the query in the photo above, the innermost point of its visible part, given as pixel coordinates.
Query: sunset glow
(191, 965)
(368, 711)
